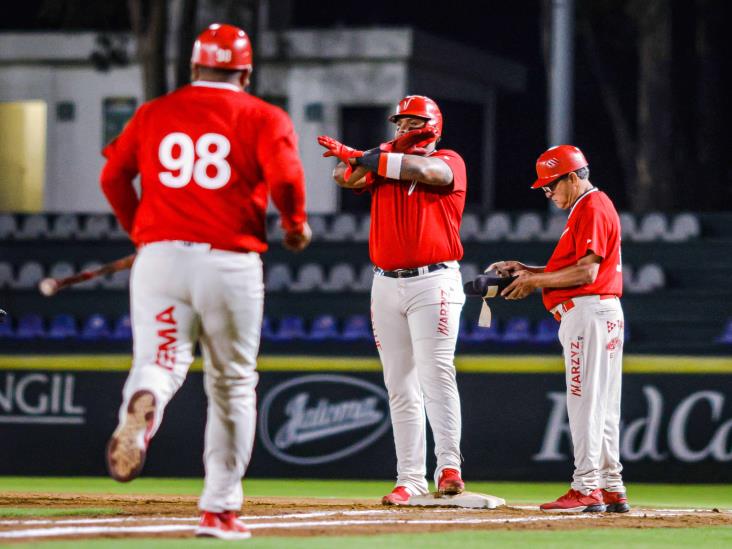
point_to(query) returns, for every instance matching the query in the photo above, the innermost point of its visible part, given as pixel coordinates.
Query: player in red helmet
(417, 200)
(208, 155)
(581, 285)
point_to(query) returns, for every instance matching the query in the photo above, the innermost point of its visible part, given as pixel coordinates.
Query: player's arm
(118, 173)
(582, 273)
(356, 179)
(408, 167)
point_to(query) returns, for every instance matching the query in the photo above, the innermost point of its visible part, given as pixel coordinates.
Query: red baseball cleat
(128, 445)
(450, 483)
(616, 502)
(398, 496)
(224, 525)
(576, 502)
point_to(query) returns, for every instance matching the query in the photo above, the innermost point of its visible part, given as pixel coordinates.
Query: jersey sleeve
(280, 163)
(119, 171)
(457, 165)
(592, 233)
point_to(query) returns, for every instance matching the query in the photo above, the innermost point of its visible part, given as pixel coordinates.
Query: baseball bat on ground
(50, 286)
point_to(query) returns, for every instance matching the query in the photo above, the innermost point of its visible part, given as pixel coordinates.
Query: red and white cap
(556, 162)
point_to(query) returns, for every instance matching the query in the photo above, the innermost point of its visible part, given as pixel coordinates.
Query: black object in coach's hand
(487, 285)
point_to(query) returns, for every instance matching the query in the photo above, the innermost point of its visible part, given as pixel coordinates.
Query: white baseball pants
(181, 292)
(591, 334)
(415, 323)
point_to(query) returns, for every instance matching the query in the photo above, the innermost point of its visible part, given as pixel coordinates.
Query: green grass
(10, 512)
(598, 538)
(647, 495)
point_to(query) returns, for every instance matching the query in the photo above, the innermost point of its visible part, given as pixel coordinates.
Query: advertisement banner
(675, 427)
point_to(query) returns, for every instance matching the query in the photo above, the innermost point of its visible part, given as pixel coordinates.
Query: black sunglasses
(551, 187)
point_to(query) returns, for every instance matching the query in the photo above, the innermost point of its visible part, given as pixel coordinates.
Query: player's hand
(299, 239)
(506, 268)
(521, 287)
(413, 142)
(339, 150)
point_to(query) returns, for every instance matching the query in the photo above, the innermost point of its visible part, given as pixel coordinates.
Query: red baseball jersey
(208, 155)
(593, 225)
(418, 228)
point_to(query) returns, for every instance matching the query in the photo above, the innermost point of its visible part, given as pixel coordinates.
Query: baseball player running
(581, 287)
(207, 154)
(417, 200)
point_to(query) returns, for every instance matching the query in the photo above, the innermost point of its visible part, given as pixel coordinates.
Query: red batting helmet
(223, 47)
(420, 106)
(556, 162)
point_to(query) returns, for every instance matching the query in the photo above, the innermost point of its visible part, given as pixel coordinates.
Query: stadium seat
(324, 327)
(96, 227)
(309, 278)
(726, 336)
(6, 274)
(364, 229)
(627, 226)
(8, 226)
(518, 330)
(365, 278)
(528, 227)
(628, 278)
(649, 278)
(278, 277)
(319, 226)
(95, 328)
(652, 228)
(469, 271)
(29, 275)
(33, 226)
(267, 331)
(497, 226)
(343, 228)
(116, 281)
(65, 226)
(30, 326)
(116, 231)
(546, 331)
(341, 278)
(122, 330)
(685, 226)
(6, 328)
(61, 269)
(479, 334)
(470, 229)
(290, 328)
(356, 327)
(554, 228)
(62, 326)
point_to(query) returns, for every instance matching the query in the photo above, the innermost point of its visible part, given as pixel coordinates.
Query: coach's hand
(298, 239)
(506, 268)
(521, 287)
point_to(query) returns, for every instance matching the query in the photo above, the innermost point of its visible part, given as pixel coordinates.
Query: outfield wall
(328, 418)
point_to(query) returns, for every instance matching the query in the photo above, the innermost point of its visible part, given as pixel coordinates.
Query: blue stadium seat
(122, 329)
(546, 331)
(356, 327)
(479, 334)
(62, 326)
(6, 328)
(267, 330)
(30, 326)
(726, 336)
(324, 327)
(518, 330)
(95, 328)
(290, 328)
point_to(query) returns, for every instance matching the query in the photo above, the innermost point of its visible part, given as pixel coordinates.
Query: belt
(409, 273)
(563, 308)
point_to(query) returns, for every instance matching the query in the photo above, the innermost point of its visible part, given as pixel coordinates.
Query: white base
(470, 500)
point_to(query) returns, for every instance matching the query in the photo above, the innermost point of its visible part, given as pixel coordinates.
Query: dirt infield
(176, 516)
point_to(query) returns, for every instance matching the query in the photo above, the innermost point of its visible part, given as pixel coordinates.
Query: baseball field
(96, 512)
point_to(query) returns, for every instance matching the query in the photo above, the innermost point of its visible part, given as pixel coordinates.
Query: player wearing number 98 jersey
(208, 155)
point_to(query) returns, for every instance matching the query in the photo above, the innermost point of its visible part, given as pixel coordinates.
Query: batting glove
(338, 149)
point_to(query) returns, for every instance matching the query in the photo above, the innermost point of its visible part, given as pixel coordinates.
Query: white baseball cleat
(127, 448)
